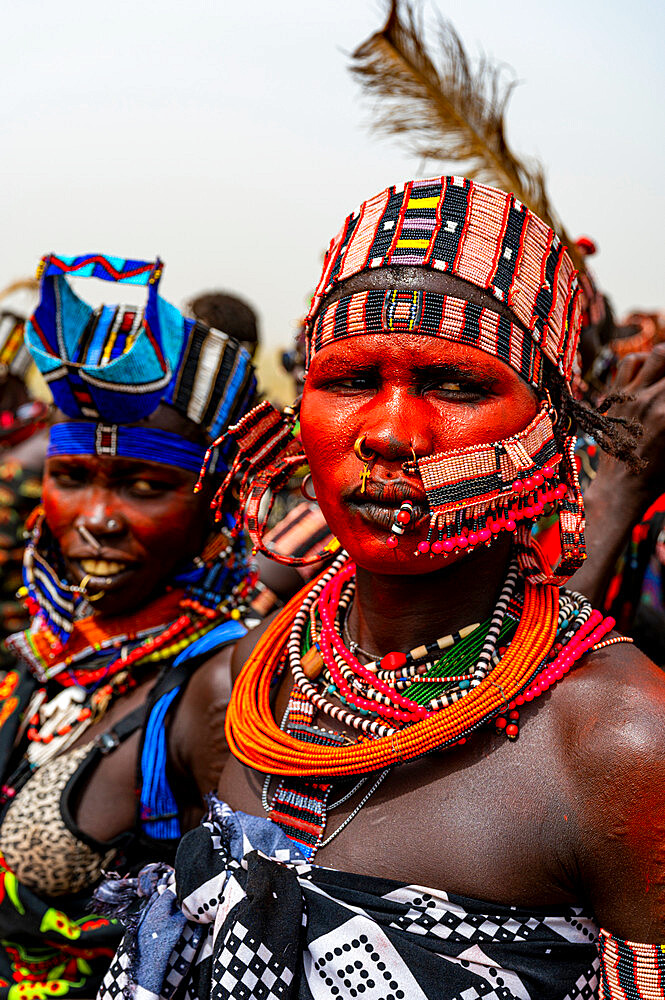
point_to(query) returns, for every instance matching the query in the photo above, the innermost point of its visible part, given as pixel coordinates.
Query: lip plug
(403, 517)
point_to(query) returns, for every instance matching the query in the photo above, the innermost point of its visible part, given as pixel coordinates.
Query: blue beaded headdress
(108, 369)
(116, 364)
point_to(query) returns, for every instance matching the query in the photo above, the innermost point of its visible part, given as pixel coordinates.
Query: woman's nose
(399, 428)
(101, 517)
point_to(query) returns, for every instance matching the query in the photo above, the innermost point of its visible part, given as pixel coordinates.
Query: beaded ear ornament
(268, 454)
(476, 492)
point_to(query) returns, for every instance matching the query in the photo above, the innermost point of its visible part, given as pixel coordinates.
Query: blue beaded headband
(143, 443)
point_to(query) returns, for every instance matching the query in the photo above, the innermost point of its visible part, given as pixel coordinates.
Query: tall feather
(447, 108)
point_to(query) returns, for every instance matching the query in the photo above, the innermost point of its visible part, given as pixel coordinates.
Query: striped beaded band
(430, 314)
(476, 233)
(630, 969)
(486, 476)
(143, 443)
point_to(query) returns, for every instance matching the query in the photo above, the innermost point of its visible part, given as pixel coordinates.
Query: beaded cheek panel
(476, 491)
(429, 314)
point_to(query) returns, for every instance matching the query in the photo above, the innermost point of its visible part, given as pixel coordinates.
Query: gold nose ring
(358, 449)
(365, 459)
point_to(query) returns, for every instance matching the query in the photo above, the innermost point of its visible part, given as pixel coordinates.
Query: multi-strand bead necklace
(373, 689)
(84, 691)
(404, 727)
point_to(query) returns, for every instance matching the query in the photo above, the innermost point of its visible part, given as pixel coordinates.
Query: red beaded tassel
(581, 643)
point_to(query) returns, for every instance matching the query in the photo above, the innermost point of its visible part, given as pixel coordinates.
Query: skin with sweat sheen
(144, 516)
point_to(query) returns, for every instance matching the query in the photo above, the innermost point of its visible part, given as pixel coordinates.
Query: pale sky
(230, 138)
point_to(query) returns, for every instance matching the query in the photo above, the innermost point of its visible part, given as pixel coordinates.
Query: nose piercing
(112, 524)
(365, 458)
(411, 465)
(88, 537)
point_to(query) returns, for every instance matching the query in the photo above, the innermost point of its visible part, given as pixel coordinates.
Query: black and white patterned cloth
(245, 917)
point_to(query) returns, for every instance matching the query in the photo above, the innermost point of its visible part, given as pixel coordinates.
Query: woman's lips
(380, 502)
(383, 514)
(104, 574)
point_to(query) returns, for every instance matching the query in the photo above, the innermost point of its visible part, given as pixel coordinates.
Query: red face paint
(144, 517)
(404, 391)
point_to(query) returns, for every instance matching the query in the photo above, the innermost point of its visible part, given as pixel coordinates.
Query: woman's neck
(398, 613)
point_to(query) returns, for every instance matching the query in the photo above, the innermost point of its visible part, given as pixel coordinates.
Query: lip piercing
(403, 517)
(367, 459)
(82, 589)
(88, 537)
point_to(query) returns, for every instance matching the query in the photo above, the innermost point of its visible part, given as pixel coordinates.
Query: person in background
(24, 412)
(625, 569)
(112, 714)
(223, 311)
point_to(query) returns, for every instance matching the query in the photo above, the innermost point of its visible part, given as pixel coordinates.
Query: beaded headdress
(471, 231)
(109, 368)
(16, 304)
(490, 239)
(112, 366)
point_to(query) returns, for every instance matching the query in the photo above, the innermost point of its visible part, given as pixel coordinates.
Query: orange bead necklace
(257, 741)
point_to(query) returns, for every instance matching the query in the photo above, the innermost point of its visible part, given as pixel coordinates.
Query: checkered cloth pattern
(474, 232)
(280, 929)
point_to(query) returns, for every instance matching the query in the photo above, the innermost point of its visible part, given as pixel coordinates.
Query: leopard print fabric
(36, 842)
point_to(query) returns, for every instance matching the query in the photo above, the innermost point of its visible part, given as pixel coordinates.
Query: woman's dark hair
(617, 436)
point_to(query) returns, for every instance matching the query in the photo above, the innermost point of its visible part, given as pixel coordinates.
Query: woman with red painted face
(436, 709)
(136, 602)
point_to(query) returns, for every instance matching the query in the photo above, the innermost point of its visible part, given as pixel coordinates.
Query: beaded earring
(268, 454)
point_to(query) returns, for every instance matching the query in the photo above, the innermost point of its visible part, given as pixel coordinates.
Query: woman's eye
(146, 487)
(70, 478)
(466, 390)
(355, 383)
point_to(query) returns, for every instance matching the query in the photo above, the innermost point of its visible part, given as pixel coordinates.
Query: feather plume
(447, 108)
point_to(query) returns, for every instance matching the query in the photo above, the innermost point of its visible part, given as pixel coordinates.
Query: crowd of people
(362, 697)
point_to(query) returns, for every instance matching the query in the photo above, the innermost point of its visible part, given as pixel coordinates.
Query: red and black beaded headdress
(487, 237)
(471, 231)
